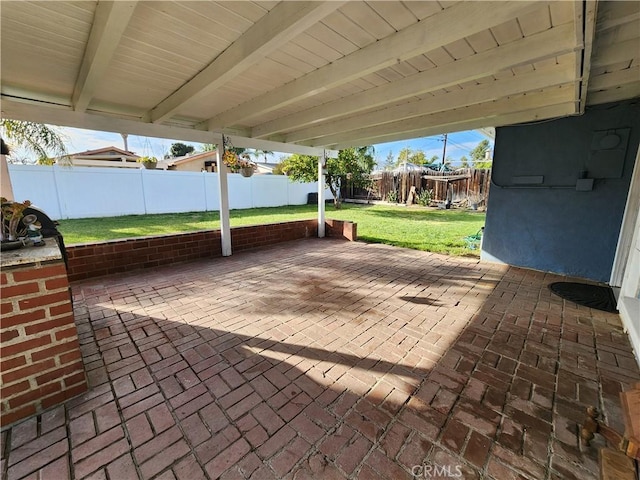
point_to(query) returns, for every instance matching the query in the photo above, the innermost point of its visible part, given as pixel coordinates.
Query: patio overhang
(313, 74)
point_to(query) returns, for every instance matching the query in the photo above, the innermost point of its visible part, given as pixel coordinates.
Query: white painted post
(6, 190)
(322, 162)
(223, 192)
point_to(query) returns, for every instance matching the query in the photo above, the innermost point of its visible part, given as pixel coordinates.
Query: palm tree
(35, 137)
(257, 153)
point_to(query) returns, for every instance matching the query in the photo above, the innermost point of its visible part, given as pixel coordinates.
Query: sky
(78, 140)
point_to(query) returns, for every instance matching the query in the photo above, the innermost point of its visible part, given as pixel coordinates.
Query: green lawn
(441, 231)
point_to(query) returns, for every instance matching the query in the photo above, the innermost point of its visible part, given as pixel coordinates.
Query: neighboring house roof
(104, 151)
(171, 162)
(105, 157)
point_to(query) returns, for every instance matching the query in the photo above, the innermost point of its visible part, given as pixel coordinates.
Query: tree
(353, 165)
(180, 149)
(389, 162)
(260, 153)
(478, 155)
(464, 162)
(42, 140)
(405, 155)
(209, 147)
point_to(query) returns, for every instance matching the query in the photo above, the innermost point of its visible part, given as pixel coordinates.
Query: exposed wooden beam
(456, 22)
(542, 113)
(66, 117)
(537, 80)
(110, 21)
(281, 24)
(589, 29)
(550, 43)
(485, 110)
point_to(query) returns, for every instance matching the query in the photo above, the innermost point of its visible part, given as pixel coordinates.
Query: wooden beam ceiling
(284, 22)
(418, 38)
(110, 21)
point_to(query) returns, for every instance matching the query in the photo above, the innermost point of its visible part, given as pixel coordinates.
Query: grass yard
(441, 231)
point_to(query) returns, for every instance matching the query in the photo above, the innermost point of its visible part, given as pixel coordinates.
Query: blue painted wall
(547, 227)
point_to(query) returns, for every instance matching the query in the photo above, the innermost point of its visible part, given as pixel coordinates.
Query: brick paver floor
(327, 359)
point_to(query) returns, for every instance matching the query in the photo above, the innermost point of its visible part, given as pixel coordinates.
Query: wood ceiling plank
(482, 41)
(623, 92)
(613, 14)
(339, 22)
(459, 49)
(561, 13)
(279, 26)
(614, 79)
(506, 32)
(535, 22)
(611, 54)
(317, 47)
(422, 10)
(542, 45)
(395, 13)
(439, 57)
(361, 13)
(421, 63)
(420, 37)
(332, 39)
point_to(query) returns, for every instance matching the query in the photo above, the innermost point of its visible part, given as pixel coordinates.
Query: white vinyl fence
(81, 192)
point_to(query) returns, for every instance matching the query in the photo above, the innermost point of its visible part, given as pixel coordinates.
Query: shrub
(425, 196)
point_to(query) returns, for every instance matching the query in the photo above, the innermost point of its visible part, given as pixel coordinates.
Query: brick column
(40, 360)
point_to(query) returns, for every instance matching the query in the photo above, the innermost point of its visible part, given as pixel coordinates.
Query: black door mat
(592, 296)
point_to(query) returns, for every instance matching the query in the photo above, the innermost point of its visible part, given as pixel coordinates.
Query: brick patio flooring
(327, 359)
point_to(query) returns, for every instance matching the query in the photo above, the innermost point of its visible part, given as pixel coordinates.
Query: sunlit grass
(441, 231)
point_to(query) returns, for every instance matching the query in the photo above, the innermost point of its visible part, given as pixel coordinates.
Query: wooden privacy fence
(465, 184)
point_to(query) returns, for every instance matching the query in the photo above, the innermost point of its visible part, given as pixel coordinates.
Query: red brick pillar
(40, 359)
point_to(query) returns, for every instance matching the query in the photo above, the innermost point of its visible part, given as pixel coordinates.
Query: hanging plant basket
(149, 165)
(246, 171)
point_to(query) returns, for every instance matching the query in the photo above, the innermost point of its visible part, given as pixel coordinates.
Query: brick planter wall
(342, 229)
(41, 361)
(117, 256)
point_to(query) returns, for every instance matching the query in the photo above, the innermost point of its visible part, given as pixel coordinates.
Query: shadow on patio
(326, 359)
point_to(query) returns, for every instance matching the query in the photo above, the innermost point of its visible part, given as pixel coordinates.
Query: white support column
(223, 190)
(322, 162)
(6, 189)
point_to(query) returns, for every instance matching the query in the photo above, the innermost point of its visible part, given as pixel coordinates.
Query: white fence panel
(240, 191)
(211, 191)
(84, 193)
(174, 193)
(81, 192)
(37, 185)
(270, 190)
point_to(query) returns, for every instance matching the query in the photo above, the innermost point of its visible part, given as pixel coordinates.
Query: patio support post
(322, 162)
(223, 191)
(6, 190)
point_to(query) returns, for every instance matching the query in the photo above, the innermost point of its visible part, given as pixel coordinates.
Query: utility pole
(444, 151)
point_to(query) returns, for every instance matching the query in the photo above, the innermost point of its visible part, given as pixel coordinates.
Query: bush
(424, 197)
